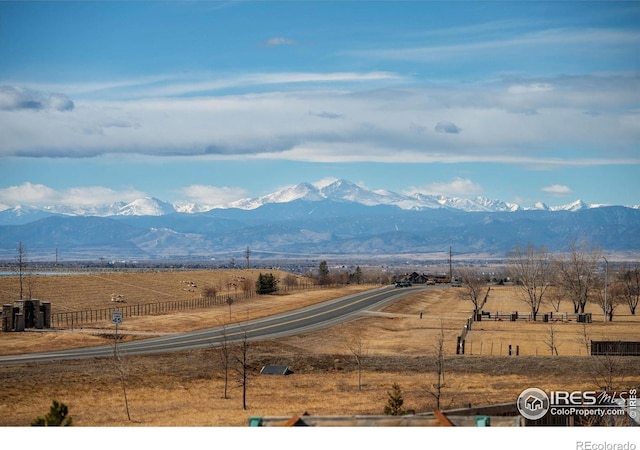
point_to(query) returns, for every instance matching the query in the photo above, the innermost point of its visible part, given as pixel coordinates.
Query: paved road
(307, 319)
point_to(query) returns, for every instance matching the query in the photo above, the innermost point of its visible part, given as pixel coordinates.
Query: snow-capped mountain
(148, 206)
(575, 206)
(346, 191)
(333, 190)
(337, 217)
(302, 191)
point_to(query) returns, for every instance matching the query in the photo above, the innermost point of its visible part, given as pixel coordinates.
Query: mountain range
(339, 218)
(338, 190)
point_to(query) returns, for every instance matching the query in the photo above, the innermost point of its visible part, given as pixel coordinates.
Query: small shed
(275, 370)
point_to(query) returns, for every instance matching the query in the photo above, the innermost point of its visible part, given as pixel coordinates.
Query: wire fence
(71, 319)
(516, 317)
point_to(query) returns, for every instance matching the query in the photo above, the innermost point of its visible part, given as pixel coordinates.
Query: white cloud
(447, 127)
(375, 124)
(211, 195)
(42, 195)
(28, 193)
(16, 99)
(457, 187)
(276, 41)
(558, 190)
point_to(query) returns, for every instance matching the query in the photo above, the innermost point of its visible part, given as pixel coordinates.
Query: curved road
(311, 318)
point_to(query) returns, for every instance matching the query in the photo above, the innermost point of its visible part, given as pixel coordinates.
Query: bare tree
(576, 274)
(209, 292)
(290, 280)
(224, 352)
(585, 338)
(243, 367)
(21, 264)
(31, 283)
(436, 389)
(473, 285)
(248, 286)
(531, 271)
(607, 297)
(552, 340)
(628, 279)
(607, 370)
(357, 347)
(554, 297)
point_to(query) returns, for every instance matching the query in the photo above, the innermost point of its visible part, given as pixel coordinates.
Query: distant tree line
(581, 276)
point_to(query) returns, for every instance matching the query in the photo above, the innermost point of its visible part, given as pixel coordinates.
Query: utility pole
(606, 279)
(450, 267)
(248, 252)
(21, 262)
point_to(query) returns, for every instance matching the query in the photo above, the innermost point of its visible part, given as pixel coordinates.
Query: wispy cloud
(278, 40)
(326, 115)
(554, 39)
(197, 84)
(456, 187)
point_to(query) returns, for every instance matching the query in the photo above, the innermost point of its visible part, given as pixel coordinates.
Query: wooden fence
(615, 348)
(540, 317)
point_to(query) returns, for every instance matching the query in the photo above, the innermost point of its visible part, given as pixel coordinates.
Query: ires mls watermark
(534, 403)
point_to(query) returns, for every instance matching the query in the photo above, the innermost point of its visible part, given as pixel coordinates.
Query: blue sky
(209, 102)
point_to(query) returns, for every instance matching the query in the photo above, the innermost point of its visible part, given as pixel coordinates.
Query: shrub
(56, 417)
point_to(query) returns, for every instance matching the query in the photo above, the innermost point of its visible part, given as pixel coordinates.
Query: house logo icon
(533, 403)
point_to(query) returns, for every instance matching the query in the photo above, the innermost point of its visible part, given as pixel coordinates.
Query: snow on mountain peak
(147, 206)
(332, 189)
(300, 191)
(325, 182)
(574, 206)
(540, 206)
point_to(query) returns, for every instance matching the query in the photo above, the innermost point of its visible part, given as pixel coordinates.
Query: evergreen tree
(55, 418)
(323, 273)
(266, 284)
(395, 402)
(357, 275)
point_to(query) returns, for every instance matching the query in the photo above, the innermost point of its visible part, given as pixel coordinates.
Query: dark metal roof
(275, 370)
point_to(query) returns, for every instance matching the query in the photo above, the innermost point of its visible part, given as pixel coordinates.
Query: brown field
(186, 388)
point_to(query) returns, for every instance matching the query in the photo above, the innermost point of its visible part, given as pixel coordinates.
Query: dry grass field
(187, 388)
